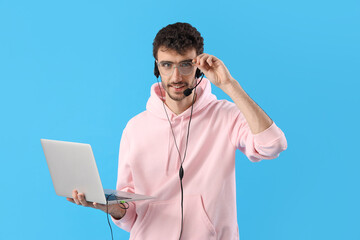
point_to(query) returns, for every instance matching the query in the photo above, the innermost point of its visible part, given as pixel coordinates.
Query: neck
(179, 107)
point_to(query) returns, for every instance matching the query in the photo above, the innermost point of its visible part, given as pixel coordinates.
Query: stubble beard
(176, 97)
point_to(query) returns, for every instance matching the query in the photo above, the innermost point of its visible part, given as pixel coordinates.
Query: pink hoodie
(149, 164)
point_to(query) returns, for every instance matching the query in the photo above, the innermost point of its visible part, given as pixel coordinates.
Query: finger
(201, 62)
(82, 200)
(210, 60)
(70, 200)
(196, 60)
(202, 59)
(75, 197)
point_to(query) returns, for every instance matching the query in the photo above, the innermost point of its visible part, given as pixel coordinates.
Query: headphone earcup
(198, 73)
(156, 71)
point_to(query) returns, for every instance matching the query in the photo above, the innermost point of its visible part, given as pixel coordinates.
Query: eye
(186, 64)
(166, 65)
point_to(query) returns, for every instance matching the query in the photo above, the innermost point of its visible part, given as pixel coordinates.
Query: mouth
(178, 88)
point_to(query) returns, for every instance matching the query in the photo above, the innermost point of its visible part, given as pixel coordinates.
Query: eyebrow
(187, 60)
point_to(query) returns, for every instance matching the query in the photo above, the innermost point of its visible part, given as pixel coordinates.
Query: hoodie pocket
(197, 224)
(162, 221)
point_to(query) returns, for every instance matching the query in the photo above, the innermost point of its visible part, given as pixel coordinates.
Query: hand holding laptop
(73, 169)
(113, 209)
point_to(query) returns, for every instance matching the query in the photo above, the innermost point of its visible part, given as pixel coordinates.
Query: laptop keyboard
(112, 197)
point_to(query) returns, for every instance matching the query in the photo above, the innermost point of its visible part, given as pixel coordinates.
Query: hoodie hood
(155, 105)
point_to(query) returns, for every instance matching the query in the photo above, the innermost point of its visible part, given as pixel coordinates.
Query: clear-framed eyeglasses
(167, 68)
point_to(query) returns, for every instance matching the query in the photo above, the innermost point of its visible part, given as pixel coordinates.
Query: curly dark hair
(179, 37)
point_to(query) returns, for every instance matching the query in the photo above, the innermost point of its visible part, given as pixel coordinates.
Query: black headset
(198, 73)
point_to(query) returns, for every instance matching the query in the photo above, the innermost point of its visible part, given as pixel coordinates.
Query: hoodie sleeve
(264, 145)
(125, 183)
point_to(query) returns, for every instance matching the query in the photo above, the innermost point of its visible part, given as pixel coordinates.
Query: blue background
(79, 70)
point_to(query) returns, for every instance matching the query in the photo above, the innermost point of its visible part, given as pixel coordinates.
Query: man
(195, 136)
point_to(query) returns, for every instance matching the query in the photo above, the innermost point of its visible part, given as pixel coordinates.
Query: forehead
(166, 54)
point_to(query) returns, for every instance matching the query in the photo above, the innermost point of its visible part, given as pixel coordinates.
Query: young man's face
(176, 83)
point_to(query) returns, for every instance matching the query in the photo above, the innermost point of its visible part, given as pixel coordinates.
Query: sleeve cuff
(269, 135)
(128, 215)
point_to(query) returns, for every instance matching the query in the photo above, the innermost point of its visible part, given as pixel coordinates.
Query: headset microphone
(188, 91)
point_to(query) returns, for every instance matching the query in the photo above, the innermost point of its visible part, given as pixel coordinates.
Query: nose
(176, 75)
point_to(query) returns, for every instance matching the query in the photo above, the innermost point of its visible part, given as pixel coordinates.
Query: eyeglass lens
(167, 68)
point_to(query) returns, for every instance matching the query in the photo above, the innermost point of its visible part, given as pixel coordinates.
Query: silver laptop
(72, 166)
